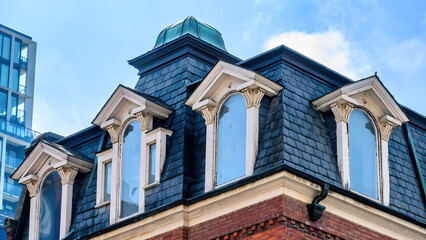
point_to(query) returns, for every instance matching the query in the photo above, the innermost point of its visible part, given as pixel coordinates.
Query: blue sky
(83, 46)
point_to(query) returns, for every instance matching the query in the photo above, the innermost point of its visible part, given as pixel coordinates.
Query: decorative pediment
(126, 102)
(46, 156)
(225, 78)
(368, 93)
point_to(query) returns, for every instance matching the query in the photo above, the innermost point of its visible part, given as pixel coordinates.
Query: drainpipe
(416, 162)
(315, 210)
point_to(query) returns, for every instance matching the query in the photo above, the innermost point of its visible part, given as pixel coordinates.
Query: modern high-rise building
(17, 68)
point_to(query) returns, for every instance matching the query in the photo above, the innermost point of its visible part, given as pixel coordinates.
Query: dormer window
(130, 170)
(138, 151)
(363, 156)
(231, 140)
(365, 115)
(50, 207)
(48, 173)
(229, 99)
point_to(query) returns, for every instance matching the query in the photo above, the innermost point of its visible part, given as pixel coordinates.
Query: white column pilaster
(115, 173)
(341, 115)
(67, 176)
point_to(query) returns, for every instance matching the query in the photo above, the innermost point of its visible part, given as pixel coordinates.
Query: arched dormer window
(231, 140)
(130, 170)
(232, 129)
(363, 154)
(49, 172)
(362, 139)
(135, 161)
(50, 207)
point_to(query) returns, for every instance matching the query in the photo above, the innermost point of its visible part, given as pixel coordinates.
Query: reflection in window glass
(1, 43)
(152, 150)
(4, 75)
(1, 142)
(14, 108)
(15, 79)
(107, 181)
(50, 207)
(231, 140)
(3, 103)
(362, 154)
(6, 48)
(17, 52)
(130, 170)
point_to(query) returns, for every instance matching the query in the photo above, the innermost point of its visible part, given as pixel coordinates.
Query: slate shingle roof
(292, 133)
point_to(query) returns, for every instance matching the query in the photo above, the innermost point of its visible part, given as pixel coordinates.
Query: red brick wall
(278, 218)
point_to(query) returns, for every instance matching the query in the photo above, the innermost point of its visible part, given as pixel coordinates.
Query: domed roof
(192, 26)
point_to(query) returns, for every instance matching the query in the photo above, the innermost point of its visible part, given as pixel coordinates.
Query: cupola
(191, 26)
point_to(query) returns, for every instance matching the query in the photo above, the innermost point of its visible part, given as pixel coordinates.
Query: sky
(83, 46)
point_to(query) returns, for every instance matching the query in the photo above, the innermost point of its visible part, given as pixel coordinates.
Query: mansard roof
(294, 137)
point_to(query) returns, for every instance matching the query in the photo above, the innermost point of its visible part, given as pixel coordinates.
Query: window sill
(154, 184)
(368, 197)
(227, 183)
(102, 204)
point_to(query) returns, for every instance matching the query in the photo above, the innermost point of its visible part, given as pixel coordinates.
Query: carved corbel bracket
(341, 111)
(67, 174)
(113, 132)
(208, 112)
(112, 126)
(144, 120)
(253, 96)
(31, 181)
(387, 124)
(32, 187)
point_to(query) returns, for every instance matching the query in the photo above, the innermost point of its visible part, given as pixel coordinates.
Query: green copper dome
(192, 26)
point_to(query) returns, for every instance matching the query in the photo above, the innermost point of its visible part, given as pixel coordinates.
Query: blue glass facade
(17, 62)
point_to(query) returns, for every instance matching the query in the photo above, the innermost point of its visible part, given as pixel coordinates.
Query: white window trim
(222, 81)
(159, 137)
(372, 97)
(103, 158)
(43, 160)
(126, 105)
(381, 181)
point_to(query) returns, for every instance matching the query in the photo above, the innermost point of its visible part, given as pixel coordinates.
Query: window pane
(152, 151)
(107, 181)
(17, 52)
(22, 82)
(4, 77)
(15, 79)
(231, 140)
(362, 152)
(3, 103)
(6, 48)
(1, 144)
(14, 108)
(50, 207)
(1, 43)
(130, 170)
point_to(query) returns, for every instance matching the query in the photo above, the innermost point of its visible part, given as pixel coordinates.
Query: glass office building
(17, 68)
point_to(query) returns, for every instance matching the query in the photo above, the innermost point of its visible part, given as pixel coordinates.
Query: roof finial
(375, 73)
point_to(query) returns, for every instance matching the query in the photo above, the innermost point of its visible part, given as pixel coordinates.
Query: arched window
(363, 154)
(50, 207)
(130, 170)
(231, 140)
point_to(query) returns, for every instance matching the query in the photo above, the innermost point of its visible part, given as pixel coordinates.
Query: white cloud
(329, 48)
(409, 55)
